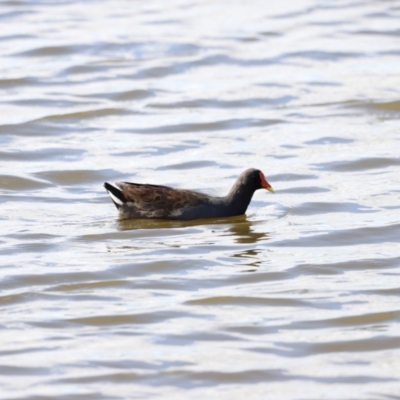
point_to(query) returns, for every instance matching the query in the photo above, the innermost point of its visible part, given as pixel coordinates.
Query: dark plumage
(135, 200)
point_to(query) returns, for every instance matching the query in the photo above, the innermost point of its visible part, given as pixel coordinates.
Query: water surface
(299, 299)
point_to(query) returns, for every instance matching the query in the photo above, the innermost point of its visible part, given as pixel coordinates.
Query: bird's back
(156, 201)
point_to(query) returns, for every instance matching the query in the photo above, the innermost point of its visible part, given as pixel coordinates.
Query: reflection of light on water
(266, 213)
(308, 94)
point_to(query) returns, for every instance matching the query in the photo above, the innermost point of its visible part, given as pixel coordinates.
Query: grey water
(298, 299)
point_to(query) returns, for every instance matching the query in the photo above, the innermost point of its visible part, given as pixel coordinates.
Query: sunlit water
(299, 299)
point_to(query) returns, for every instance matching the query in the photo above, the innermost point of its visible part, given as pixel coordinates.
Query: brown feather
(156, 201)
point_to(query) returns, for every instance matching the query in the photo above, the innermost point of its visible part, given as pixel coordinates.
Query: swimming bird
(145, 201)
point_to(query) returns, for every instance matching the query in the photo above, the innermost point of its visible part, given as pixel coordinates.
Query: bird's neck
(239, 197)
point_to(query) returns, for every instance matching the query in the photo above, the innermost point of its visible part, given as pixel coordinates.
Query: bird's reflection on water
(244, 233)
(252, 259)
(239, 227)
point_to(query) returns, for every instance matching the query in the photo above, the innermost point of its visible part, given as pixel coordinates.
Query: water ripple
(302, 289)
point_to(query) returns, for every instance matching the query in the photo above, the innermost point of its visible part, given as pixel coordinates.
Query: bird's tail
(116, 195)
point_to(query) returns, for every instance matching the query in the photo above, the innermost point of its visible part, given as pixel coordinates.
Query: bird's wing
(159, 201)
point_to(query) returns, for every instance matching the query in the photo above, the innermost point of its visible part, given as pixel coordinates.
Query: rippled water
(299, 299)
